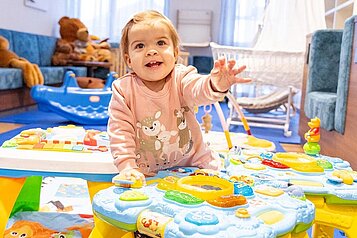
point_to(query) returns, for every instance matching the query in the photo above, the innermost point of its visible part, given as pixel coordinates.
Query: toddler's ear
(176, 53)
(127, 60)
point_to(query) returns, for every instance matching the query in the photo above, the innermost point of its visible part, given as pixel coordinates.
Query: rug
(50, 119)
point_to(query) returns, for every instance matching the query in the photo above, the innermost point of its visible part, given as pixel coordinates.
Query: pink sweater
(153, 131)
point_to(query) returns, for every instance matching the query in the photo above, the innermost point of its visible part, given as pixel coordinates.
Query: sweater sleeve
(196, 88)
(121, 130)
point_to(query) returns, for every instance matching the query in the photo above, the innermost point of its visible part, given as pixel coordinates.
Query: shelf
(337, 11)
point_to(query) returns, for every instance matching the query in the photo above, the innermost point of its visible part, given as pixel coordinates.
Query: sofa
(37, 49)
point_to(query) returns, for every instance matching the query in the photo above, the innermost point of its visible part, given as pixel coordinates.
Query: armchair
(329, 90)
(329, 74)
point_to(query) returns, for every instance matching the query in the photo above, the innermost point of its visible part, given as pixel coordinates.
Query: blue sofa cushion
(47, 48)
(344, 75)
(26, 46)
(7, 34)
(322, 105)
(10, 78)
(78, 71)
(324, 60)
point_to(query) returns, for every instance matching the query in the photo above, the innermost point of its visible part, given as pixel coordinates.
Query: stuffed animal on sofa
(31, 72)
(75, 43)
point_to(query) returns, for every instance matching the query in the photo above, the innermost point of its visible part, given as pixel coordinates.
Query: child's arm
(121, 131)
(224, 75)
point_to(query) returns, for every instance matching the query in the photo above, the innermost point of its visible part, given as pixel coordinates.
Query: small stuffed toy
(76, 43)
(87, 82)
(207, 119)
(8, 59)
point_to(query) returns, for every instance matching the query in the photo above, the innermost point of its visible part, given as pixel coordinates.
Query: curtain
(287, 22)
(239, 22)
(227, 22)
(106, 18)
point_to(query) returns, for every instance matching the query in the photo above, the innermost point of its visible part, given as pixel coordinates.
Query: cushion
(10, 78)
(47, 48)
(344, 74)
(26, 46)
(52, 75)
(321, 105)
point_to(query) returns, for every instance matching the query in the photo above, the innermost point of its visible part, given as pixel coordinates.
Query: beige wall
(16, 16)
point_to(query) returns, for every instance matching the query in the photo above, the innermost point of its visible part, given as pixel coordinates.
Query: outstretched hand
(128, 173)
(224, 75)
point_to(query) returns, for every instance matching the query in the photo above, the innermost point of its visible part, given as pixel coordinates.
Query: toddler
(152, 125)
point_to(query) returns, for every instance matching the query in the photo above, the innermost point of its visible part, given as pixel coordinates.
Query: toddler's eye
(139, 46)
(161, 42)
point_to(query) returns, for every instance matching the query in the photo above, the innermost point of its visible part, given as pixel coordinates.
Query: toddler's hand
(223, 75)
(128, 173)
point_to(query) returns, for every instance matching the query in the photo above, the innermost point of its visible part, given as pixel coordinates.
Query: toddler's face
(151, 53)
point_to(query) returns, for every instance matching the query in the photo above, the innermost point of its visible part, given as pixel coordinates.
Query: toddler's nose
(151, 52)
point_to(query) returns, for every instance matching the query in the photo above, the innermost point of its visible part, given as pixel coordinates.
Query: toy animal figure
(313, 135)
(28, 229)
(311, 147)
(31, 72)
(207, 119)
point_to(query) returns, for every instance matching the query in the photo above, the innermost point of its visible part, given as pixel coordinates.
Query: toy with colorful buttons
(68, 138)
(190, 202)
(319, 175)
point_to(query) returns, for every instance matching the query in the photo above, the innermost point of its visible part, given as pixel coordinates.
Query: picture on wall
(41, 5)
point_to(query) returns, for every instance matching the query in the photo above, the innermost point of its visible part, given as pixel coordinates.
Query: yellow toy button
(254, 166)
(133, 195)
(269, 191)
(242, 213)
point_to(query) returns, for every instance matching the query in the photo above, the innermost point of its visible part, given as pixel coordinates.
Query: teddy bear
(31, 72)
(87, 82)
(76, 43)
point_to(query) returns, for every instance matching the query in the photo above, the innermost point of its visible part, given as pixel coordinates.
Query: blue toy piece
(83, 106)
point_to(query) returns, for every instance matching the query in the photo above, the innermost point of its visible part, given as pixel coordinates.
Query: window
(248, 19)
(106, 18)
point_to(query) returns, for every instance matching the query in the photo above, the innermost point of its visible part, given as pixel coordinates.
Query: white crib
(281, 69)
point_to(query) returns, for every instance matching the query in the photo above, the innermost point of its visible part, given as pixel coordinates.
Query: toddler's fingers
(231, 63)
(128, 175)
(239, 70)
(216, 67)
(242, 80)
(222, 61)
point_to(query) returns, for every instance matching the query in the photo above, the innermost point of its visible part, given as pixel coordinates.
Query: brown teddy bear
(75, 43)
(31, 72)
(87, 82)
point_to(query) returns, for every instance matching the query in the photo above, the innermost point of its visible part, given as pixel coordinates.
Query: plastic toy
(207, 119)
(311, 147)
(83, 106)
(68, 138)
(329, 182)
(251, 141)
(179, 205)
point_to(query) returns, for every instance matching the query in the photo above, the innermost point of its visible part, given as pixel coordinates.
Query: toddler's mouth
(153, 64)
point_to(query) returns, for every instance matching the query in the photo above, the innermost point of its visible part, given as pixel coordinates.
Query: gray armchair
(329, 73)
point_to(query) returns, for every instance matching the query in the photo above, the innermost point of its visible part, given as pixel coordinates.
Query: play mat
(259, 193)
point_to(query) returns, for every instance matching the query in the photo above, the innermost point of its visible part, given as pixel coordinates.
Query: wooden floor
(4, 127)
